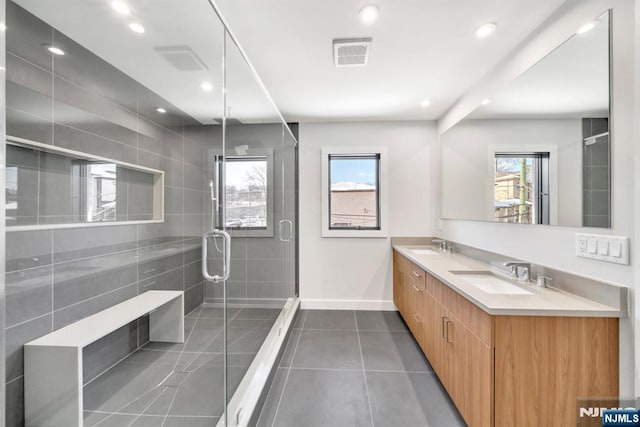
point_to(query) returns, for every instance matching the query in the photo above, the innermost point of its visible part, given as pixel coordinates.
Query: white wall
(356, 273)
(468, 180)
(554, 246)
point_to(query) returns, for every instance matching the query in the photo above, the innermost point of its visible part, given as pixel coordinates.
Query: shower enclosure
(144, 153)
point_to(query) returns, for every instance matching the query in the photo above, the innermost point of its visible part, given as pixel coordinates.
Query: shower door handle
(290, 233)
(285, 237)
(227, 256)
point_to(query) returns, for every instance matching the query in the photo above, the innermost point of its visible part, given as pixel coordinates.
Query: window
(247, 194)
(353, 185)
(521, 188)
(353, 193)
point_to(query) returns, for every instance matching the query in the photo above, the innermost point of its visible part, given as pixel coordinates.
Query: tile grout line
(150, 390)
(364, 372)
(147, 407)
(393, 371)
(286, 379)
(152, 415)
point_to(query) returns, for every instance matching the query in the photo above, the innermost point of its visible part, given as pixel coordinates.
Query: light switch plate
(586, 242)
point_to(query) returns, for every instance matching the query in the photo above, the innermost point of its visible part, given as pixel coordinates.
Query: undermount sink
(490, 283)
(424, 252)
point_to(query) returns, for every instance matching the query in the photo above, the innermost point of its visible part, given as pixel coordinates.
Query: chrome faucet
(520, 270)
(442, 243)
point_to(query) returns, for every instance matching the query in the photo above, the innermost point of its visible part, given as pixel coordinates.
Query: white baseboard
(333, 304)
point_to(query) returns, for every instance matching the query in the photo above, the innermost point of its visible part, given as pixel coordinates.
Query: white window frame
(382, 190)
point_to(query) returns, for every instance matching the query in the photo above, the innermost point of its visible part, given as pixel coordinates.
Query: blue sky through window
(360, 171)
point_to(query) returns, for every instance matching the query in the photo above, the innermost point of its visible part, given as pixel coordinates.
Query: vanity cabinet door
(397, 282)
(476, 366)
(401, 286)
(437, 339)
(429, 326)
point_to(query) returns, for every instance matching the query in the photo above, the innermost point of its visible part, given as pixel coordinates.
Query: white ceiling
(421, 49)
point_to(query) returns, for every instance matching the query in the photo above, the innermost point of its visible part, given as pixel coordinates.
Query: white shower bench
(53, 363)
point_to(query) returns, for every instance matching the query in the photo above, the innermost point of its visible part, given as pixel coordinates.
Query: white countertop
(541, 302)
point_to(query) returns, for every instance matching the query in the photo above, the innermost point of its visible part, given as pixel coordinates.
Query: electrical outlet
(581, 244)
(603, 247)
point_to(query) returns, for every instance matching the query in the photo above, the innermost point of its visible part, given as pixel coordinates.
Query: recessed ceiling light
(3, 27)
(485, 30)
(55, 50)
(161, 110)
(485, 101)
(206, 86)
(120, 7)
(136, 28)
(425, 103)
(369, 14)
(587, 27)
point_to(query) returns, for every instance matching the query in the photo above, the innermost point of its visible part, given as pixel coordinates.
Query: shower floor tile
(165, 384)
(346, 377)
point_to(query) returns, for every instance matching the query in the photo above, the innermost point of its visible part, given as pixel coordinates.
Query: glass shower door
(289, 216)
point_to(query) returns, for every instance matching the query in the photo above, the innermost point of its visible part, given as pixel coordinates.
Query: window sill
(380, 234)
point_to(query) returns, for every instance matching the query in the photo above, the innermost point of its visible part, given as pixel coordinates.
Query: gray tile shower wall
(55, 277)
(596, 174)
(262, 268)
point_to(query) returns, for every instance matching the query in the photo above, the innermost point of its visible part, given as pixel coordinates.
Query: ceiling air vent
(182, 57)
(351, 52)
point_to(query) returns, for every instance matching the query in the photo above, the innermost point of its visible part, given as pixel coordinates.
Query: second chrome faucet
(520, 270)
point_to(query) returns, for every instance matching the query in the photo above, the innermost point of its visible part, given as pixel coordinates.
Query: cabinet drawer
(417, 276)
(445, 295)
(474, 318)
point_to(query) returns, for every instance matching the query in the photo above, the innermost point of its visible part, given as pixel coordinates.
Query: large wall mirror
(538, 151)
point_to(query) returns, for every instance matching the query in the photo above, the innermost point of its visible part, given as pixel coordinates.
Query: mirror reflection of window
(521, 188)
(93, 191)
(101, 195)
(45, 188)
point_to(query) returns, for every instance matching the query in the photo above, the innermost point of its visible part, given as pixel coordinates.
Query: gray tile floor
(179, 385)
(362, 368)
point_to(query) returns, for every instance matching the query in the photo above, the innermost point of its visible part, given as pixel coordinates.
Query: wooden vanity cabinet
(409, 295)
(507, 370)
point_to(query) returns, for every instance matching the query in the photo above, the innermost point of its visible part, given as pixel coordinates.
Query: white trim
(13, 228)
(335, 304)
(382, 189)
(21, 142)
